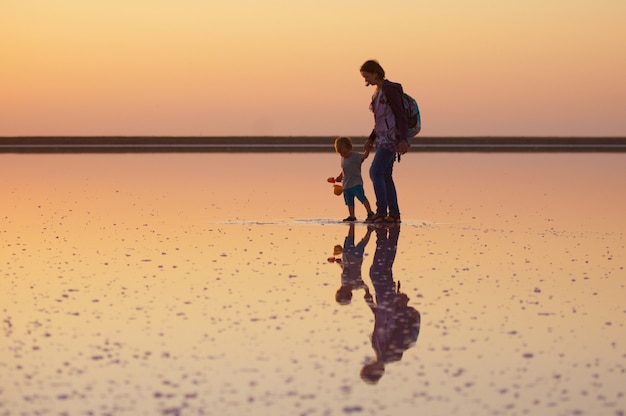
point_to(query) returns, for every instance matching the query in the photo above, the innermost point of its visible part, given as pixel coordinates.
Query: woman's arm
(369, 143)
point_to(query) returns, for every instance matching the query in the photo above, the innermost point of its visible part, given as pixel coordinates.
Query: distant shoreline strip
(299, 144)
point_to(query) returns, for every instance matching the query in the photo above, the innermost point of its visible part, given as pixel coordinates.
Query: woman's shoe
(376, 219)
(392, 219)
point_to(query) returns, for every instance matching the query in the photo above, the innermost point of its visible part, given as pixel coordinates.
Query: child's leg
(367, 206)
(360, 194)
(348, 196)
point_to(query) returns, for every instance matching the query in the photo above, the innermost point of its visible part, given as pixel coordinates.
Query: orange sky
(276, 67)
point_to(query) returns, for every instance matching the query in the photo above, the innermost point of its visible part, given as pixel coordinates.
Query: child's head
(344, 295)
(343, 144)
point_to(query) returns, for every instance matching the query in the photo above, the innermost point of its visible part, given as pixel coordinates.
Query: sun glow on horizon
(275, 68)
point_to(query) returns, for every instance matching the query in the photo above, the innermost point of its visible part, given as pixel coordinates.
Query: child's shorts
(355, 191)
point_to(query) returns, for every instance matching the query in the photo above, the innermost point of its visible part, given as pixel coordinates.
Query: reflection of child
(351, 176)
(351, 262)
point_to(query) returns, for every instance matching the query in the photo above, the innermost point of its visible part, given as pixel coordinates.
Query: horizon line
(182, 144)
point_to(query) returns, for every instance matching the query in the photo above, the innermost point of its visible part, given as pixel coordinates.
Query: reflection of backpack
(407, 327)
(405, 333)
(412, 114)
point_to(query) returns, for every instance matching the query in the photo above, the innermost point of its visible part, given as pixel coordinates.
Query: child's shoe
(349, 219)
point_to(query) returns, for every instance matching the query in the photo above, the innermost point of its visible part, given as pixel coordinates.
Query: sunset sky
(290, 68)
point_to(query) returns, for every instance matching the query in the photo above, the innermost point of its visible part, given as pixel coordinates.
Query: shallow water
(205, 284)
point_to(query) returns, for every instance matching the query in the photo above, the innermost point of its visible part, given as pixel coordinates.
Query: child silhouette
(351, 262)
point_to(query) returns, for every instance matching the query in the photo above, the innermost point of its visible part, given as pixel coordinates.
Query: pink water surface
(200, 284)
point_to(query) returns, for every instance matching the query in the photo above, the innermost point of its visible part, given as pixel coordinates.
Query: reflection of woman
(390, 135)
(396, 325)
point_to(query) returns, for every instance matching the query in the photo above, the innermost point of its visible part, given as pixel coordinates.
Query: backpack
(412, 114)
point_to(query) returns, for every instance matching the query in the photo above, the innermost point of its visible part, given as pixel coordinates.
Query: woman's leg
(379, 171)
(392, 195)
